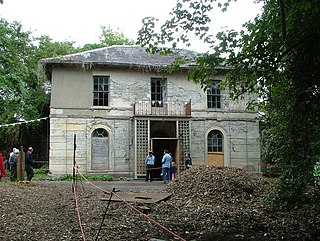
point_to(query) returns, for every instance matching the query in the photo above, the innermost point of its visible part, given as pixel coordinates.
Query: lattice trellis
(141, 144)
(184, 136)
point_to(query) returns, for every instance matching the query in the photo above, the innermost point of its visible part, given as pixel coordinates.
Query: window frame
(215, 141)
(158, 91)
(214, 95)
(101, 86)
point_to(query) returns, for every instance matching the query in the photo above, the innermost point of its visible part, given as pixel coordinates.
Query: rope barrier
(77, 207)
(154, 168)
(132, 207)
(78, 213)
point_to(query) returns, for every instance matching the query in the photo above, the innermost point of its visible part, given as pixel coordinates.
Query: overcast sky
(80, 20)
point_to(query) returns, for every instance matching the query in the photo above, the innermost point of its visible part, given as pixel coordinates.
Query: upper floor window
(101, 90)
(158, 91)
(214, 96)
(215, 141)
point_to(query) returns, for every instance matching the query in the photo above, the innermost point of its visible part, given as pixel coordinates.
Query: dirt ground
(206, 204)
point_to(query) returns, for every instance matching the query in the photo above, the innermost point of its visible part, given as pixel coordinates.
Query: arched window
(100, 133)
(215, 141)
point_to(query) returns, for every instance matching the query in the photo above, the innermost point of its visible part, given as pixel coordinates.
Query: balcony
(162, 108)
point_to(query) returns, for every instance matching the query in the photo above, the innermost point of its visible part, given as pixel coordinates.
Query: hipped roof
(120, 55)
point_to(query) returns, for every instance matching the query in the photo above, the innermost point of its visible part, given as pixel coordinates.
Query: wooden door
(215, 159)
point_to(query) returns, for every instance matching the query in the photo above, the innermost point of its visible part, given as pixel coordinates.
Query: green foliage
(100, 177)
(187, 17)
(44, 170)
(111, 37)
(23, 91)
(47, 48)
(67, 177)
(107, 38)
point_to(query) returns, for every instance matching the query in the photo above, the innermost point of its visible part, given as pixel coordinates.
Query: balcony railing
(162, 108)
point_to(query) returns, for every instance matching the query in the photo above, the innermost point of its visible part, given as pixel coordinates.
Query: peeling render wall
(66, 131)
(241, 142)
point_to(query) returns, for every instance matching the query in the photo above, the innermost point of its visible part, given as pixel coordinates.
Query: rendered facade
(110, 106)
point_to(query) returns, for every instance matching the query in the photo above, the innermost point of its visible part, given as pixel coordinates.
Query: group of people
(13, 164)
(169, 167)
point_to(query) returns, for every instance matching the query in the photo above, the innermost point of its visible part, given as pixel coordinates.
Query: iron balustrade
(162, 108)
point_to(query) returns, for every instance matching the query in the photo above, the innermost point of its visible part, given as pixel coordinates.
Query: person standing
(166, 165)
(13, 161)
(149, 162)
(29, 162)
(2, 169)
(188, 161)
(174, 170)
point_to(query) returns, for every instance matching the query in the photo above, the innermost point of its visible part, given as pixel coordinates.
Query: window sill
(214, 109)
(100, 108)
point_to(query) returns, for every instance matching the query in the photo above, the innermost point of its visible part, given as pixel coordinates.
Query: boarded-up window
(100, 150)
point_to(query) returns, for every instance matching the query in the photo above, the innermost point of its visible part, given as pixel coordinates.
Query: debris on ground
(205, 203)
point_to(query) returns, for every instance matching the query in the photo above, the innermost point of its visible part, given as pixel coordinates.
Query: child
(188, 161)
(173, 171)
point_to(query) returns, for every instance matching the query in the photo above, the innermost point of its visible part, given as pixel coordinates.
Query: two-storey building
(116, 103)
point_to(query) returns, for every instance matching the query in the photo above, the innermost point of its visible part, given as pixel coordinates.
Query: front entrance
(158, 135)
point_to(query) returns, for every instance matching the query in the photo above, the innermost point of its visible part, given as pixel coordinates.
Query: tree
(108, 37)
(275, 56)
(23, 96)
(17, 81)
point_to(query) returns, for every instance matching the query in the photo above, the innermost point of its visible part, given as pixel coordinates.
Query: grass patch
(99, 177)
(43, 174)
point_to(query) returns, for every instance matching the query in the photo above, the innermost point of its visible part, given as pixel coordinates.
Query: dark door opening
(158, 147)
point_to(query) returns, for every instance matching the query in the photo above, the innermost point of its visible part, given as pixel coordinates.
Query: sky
(81, 20)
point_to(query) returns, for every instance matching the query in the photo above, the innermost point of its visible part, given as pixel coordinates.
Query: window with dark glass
(101, 90)
(214, 96)
(158, 91)
(100, 132)
(215, 141)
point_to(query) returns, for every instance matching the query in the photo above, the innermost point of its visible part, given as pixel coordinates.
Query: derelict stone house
(117, 104)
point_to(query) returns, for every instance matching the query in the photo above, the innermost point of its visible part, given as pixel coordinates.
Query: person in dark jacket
(188, 161)
(29, 162)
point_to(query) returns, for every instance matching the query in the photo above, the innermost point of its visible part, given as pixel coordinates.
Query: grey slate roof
(119, 55)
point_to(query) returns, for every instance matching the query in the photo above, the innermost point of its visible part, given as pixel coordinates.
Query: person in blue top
(166, 165)
(29, 162)
(149, 162)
